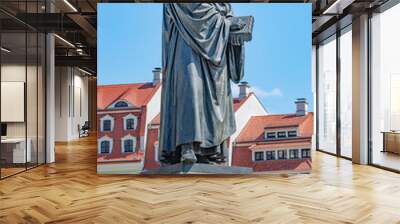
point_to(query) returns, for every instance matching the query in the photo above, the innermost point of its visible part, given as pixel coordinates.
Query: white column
(360, 90)
(50, 98)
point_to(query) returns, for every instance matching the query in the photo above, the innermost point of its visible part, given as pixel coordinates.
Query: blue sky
(278, 59)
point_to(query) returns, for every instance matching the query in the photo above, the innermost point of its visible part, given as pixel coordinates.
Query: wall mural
(198, 115)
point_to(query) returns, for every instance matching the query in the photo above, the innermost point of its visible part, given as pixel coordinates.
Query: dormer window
(121, 104)
(271, 135)
(281, 134)
(292, 134)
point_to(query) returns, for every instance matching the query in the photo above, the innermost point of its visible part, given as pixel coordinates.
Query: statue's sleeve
(235, 62)
(202, 27)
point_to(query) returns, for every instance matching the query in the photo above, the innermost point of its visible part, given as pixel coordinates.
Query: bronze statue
(203, 51)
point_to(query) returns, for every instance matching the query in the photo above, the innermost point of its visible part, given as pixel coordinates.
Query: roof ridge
(124, 84)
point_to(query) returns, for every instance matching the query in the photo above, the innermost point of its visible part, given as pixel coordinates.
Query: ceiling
(75, 22)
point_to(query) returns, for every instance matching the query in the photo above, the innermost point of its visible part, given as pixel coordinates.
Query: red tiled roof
(254, 129)
(237, 103)
(131, 157)
(156, 120)
(295, 143)
(298, 165)
(138, 94)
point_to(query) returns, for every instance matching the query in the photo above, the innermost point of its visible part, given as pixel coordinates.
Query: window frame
(135, 122)
(131, 145)
(107, 118)
(280, 137)
(308, 154)
(288, 134)
(285, 154)
(116, 105)
(295, 154)
(256, 159)
(270, 155)
(134, 143)
(270, 132)
(99, 144)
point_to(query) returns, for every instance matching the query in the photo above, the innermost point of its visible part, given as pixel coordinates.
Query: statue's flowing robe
(198, 63)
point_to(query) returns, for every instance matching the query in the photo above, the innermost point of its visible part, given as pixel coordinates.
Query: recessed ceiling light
(64, 40)
(84, 71)
(5, 50)
(70, 5)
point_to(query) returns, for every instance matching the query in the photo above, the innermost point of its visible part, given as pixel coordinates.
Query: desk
(391, 141)
(15, 148)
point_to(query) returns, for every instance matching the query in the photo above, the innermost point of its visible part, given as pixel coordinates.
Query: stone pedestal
(199, 168)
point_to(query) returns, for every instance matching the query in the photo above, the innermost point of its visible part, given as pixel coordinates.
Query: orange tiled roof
(138, 94)
(156, 120)
(274, 144)
(129, 157)
(237, 103)
(254, 129)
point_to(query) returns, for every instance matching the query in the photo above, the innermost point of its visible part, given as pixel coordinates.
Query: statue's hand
(236, 24)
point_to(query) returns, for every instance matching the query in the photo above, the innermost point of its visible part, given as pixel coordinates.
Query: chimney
(157, 75)
(244, 90)
(301, 106)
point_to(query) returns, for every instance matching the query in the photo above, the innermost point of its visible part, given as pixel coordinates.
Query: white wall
(153, 109)
(252, 107)
(71, 103)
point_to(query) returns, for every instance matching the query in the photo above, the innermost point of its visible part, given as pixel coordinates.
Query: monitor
(3, 129)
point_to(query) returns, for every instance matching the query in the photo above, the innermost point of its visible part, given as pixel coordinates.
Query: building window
(292, 134)
(293, 154)
(282, 134)
(106, 125)
(259, 156)
(270, 155)
(130, 124)
(271, 135)
(105, 147)
(306, 153)
(121, 104)
(282, 154)
(128, 145)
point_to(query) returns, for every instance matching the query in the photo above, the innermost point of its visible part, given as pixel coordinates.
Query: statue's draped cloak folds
(198, 63)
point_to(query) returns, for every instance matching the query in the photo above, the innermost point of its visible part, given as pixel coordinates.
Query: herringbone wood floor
(70, 191)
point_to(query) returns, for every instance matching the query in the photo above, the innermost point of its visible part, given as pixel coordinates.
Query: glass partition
(327, 95)
(346, 92)
(22, 88)
(13, 95)
(385, 89)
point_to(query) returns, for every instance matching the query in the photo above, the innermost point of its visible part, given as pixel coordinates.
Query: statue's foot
(188, 155)
(203, 159)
